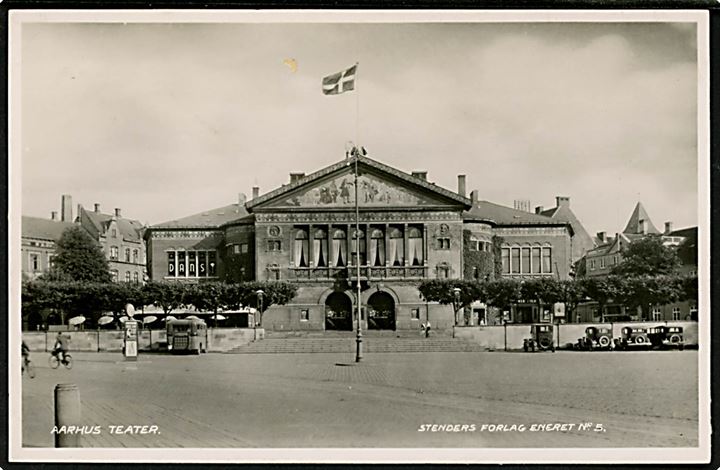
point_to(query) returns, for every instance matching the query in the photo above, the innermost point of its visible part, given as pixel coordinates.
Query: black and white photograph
(359, 236)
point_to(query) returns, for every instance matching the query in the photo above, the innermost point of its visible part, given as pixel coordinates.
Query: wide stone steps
(347, 345)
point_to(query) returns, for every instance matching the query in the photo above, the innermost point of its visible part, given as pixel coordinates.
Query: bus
(187, 336)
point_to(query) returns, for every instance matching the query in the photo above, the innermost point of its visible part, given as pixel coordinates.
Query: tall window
(136, 277)
(525, 260)
(114, 275)
(396, 248)
(676, 313)
(113, 252)
(505, 256)
(415, 246)
(547, 259)
(183, 263)
(339, 248)
(656, 314)
(127, 276)
(34, 262)
(536, 257)
(127, 255)
(320, 248)
(135, 256)
(377, 248)
(357, 252)
(515, 260)
(301, 249)
(114, 233)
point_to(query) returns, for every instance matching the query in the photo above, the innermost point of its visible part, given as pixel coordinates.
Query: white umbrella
(170, 318)
(105, 320)
(219, 317)
(149, 319)
(123, 319)
(192, 317)
(76, 320)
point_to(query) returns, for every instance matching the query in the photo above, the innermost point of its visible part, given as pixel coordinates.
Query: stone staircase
(346, 344)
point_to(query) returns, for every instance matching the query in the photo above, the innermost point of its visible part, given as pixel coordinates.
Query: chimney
(539, 209)
(97, 207)
(420, 174)
(242, 199)
(66, 214)
(53, 215)
(256, 192)
(562, 201)
(461, 185)
(79, 210)
(474, 196)
(522, 205)
(296, 176)
(117, 212)
(668, 227)
(601, 237)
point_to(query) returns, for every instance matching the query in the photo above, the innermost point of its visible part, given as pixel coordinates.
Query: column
(406, 245)
(311, 238)
(330, 261)
(387, 245)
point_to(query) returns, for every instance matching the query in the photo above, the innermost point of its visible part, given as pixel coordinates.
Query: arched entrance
(34, 321)
(381, 311)
(338, 312)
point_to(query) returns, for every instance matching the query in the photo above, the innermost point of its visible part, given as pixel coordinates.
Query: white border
(701, 454)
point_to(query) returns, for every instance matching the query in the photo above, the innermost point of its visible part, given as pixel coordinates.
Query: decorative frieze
(520, 231)
(184, 234)
(347, 217)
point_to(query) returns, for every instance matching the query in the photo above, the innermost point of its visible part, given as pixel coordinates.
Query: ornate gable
(379, 187)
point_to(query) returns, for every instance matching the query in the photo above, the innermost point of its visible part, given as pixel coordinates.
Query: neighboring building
(38, 244)
(121, 240)
(581, 240)
(600, 261)
(410, 230)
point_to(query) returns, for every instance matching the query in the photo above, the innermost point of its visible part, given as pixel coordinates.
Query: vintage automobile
(596, 337)
(632, 337)
(541, 337)
(666, 337)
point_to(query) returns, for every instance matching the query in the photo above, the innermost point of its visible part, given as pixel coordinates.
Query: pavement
(631, 399)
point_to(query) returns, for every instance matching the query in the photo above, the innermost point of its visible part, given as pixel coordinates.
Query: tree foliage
(78, 258)
(647, 257)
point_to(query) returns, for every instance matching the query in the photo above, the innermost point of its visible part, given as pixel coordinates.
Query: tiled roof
(633, 225)
(208, 219)
(501, 215)
(364, 161)
(690, 232)
(43, 229)
(129, 229)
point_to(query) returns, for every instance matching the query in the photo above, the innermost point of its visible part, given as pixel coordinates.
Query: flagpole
(357, 104)
(358, 338)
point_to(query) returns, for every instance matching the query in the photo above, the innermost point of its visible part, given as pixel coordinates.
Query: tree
(79, 258)
(647, 257)
(274, 293)
(572, 293)
(443, 292)
(603, 290)
(645, 291)
(208, 296)
(166, 295)
(502, 293)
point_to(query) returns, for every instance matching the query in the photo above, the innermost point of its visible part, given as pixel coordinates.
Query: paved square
(641, 399)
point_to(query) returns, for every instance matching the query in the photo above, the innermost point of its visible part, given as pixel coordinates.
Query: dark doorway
(338, 312)
(381, 312)
(524, 314)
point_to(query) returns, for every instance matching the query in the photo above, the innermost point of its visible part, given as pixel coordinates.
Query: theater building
(410, 230)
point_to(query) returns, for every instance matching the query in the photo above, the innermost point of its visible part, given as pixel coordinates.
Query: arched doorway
(381, 311)
(34, 321)
(338, 312)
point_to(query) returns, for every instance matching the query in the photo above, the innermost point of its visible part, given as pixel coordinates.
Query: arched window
(415, 246)
(377, 248)
(320, 248)
(339, 248)
(396, 248)
(301, 248)
(358, 252)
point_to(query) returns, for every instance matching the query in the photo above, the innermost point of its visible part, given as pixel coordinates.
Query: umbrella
(123, 319)
(192, 317)
(170, 318)
(105, 320)
(76, 320)
(219, 317)
(149, 319)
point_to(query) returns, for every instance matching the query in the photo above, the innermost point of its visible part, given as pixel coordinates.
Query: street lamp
(259, 294)
(456, 302)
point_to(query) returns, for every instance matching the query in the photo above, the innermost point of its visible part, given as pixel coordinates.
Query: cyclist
(61, 343)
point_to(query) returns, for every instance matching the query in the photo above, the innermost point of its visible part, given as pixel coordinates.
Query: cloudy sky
(166, 120)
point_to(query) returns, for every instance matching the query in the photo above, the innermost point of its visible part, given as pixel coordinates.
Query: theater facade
(410, 230)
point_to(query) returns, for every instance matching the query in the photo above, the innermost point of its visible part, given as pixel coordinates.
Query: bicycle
(55, 362)
(28, 366)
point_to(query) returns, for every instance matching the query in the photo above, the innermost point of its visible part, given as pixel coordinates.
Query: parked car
(596, 337)
(633, 337)
(541, 337)
(666, 337)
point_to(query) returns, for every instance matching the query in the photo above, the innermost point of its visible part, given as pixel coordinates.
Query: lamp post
(358, 338)
(456, 302)
(259, 294)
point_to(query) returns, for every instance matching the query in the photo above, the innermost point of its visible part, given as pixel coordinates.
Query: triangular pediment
(378, 187)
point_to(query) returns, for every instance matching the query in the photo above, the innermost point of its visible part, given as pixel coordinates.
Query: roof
(689, 232)
(633, 225)
(130, 229)
(43, 229)
(364, 161)
(213, 218)
(502, 215)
